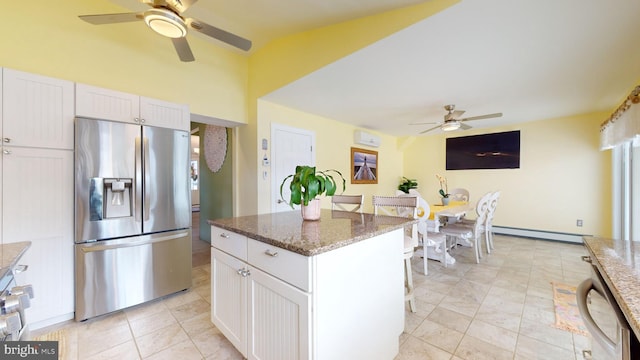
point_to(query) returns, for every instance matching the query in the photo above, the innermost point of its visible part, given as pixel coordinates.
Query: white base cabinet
(273, 304)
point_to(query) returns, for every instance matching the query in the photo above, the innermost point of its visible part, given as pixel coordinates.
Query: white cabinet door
(98, 103)
(37, 202)
(37, 111)
(279, 326)
(229, 298)
(164, 114)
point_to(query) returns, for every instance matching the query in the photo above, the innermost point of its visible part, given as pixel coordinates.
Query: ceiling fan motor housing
(165, 22)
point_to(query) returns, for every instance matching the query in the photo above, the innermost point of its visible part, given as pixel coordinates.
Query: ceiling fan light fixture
(451, 125)
(165, 22)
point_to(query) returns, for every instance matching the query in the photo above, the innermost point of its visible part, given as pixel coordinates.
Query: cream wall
(48, 38)
(562, 177)
(333, 151)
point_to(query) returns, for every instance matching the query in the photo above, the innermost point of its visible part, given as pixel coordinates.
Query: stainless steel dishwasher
(613, 338)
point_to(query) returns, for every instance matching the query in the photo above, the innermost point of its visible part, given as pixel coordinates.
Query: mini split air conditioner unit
(365, 138)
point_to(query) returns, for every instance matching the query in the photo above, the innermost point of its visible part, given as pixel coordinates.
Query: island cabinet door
(279, 319)
(229, 298)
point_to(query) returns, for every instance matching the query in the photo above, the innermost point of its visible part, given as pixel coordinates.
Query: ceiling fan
(452, 120)
(165, 18)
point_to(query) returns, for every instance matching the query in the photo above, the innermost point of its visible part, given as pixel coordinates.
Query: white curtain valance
(624, 124)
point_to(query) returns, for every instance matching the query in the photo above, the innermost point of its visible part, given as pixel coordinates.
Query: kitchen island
(618, 262)
(284, 288)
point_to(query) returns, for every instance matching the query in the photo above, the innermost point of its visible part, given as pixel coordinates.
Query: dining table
(453, 209)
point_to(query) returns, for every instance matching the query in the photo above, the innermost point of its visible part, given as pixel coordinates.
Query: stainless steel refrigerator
(133, 215)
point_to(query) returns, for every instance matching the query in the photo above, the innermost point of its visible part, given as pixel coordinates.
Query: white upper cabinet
(37, 111)
(164, 114)
(106, 104)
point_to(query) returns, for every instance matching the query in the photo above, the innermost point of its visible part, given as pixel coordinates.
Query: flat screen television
(488, 151)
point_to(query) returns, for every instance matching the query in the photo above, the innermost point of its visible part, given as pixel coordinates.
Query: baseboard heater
(539, 234)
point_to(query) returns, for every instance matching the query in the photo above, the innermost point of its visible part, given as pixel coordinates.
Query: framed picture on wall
(364, 166)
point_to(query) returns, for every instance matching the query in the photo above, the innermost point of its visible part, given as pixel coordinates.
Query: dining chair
(459, 194)
(431, 242)
(352, 202)
(470, 231)
(493, 204)
(406, 207)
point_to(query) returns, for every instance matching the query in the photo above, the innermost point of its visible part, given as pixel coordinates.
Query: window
(626, 190)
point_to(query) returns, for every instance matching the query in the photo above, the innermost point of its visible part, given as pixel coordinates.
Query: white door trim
(275, 183)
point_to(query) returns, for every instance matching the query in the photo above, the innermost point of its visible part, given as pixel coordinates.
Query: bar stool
(406, 207)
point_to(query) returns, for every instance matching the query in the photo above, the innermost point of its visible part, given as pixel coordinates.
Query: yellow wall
(333, 151)
(291, 57)
(48, 38)
(563, 176)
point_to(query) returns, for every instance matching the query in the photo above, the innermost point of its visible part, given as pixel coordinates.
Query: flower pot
(311, 211)
(445, 201)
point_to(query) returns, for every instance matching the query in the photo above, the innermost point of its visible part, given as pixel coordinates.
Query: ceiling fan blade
(424, 123)
(183, 49)
(216, 33)
(464, 126)
(454, 115)
(101, 19)
(488, 116)
(433, 128)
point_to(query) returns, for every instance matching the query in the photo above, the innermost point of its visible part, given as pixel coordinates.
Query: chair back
(352, 202)
(493, 203)
(404, 206)
(459, 194)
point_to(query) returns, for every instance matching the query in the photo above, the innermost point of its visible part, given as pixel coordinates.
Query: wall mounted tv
(487, 151)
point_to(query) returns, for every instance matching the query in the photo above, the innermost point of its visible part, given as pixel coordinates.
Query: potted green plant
(407, 184)
(307, 184)
(444, 191)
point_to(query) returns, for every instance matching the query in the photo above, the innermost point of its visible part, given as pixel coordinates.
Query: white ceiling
(529, 59)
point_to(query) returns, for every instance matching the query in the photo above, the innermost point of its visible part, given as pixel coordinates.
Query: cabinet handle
(142, 120)
(272, 254)
(243, 272)
(137, 120)
(223, 235)
(586, 259)
(6, 152)
(7, 140)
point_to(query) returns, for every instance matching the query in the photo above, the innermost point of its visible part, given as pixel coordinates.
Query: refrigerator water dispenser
(110, 198)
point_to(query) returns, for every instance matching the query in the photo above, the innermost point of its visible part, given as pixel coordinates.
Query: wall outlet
(579, 222)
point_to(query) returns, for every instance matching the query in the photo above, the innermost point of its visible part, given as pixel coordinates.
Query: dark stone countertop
(335, 229)
(619, 263)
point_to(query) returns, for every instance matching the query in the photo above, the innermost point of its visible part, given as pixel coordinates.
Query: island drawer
(286, 265)
(229, 242)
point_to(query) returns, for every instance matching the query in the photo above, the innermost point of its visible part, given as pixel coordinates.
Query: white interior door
(289, 147)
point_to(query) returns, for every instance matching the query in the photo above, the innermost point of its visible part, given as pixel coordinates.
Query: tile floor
(501, 308)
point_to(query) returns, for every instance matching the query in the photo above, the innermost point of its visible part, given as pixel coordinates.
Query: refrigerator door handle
(138, 180)
(147, 180)
(143, 240)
